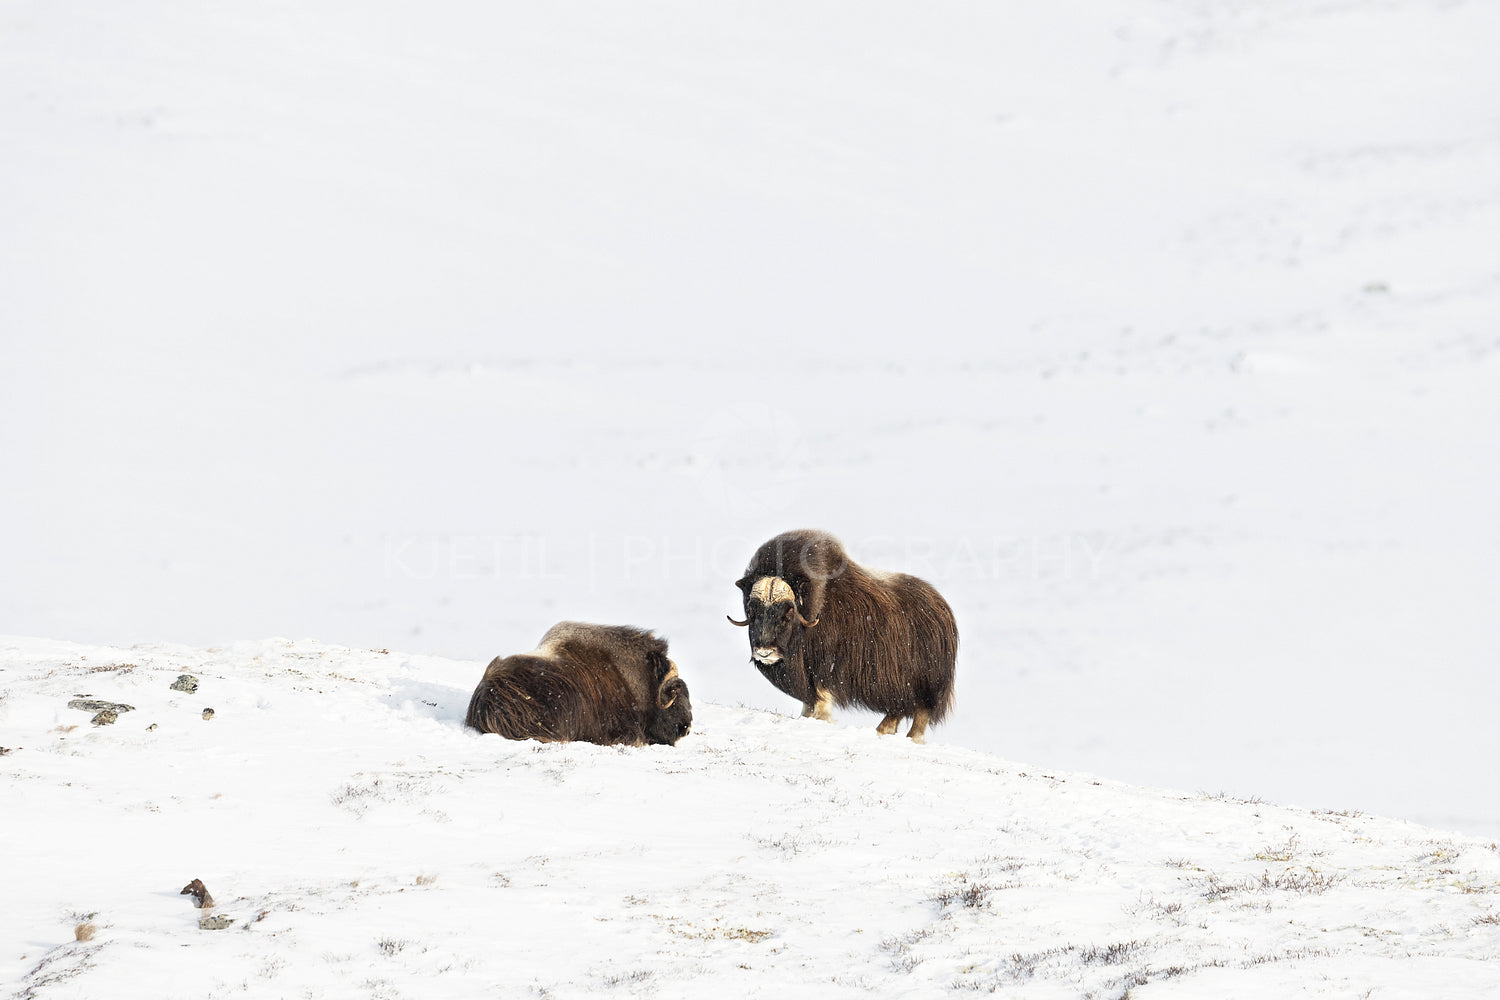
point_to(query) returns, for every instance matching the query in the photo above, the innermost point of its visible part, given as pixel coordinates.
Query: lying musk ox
(598, 683)
(828, 631)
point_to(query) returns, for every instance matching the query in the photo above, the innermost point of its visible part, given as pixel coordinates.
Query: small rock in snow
(95, 705)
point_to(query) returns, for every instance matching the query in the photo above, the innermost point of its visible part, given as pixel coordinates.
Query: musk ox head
(772, 616)
(673, 711)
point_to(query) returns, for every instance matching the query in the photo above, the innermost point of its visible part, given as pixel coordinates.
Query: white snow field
(361, 842)
(1160, 335)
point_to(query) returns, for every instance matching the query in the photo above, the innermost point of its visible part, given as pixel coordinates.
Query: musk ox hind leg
(918, 732)
(889, 724)
(821, 709)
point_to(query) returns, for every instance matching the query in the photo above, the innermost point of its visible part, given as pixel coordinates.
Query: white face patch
(766, 655)
(772, 590)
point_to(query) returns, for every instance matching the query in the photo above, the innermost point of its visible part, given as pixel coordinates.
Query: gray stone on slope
(96, 705)
(105, 712)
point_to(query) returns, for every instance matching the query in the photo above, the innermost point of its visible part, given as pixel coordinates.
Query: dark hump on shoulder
(599, 645)
(583, 634)
(797, 555)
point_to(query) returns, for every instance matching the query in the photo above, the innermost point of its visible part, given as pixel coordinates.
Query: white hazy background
(1163, 337)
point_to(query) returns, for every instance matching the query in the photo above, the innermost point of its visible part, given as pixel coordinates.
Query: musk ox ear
(745, 582)
(667, 696)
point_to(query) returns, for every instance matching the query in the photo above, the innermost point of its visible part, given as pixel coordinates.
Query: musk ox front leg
(889, 723)
(820, 709)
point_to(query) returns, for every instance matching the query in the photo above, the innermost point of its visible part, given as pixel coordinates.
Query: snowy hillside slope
(363, 843)
(1159, 334)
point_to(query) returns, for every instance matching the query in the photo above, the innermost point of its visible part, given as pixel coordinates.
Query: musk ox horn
(772, 590)
(667, 696)
(743, 624)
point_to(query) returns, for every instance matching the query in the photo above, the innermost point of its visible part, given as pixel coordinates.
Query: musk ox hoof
(822, 709)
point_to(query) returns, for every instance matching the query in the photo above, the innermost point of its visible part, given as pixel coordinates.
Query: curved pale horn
(804, 621)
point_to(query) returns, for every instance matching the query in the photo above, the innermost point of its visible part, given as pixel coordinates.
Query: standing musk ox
(828, 631)
(598, 683)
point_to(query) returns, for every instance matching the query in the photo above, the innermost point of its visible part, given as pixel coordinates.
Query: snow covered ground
(362, 843)
(1159, 334)
(365, 843)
